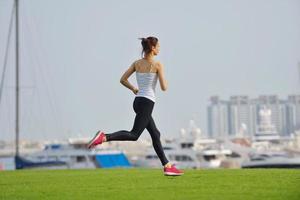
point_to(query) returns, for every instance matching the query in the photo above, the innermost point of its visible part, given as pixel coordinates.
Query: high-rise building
(217, 113)
(265, 131)
(299, 76)
(293, 113)
(278, 110)
(241, 116)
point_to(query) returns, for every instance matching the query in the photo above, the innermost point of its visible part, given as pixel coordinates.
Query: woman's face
(156, 49)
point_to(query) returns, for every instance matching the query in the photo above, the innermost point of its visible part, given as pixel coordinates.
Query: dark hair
(148, 43)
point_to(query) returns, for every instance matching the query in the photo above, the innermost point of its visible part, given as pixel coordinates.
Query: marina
(190, 150)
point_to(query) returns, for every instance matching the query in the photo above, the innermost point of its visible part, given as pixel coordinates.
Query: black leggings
(143, 108)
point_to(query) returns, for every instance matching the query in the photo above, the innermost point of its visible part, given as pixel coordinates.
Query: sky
(74, 52)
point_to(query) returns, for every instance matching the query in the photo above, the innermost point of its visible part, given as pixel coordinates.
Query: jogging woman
(147, 72)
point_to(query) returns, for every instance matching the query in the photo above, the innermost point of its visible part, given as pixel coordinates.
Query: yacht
(72, 155)
(272, 159)
(190, 150)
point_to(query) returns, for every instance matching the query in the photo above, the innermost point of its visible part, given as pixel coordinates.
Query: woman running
(147, 72)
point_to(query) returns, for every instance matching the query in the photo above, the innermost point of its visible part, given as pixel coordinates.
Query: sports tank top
(146, 83)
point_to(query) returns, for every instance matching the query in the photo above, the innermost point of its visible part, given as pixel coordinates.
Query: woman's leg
(155, 135)
(143, 108)
(140, 123)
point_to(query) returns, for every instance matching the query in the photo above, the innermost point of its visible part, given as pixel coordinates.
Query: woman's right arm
(161, 77)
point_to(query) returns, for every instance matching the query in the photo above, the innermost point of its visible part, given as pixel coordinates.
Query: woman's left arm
(124, 79)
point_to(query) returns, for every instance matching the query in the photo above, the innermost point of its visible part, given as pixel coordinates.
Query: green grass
(139, 183)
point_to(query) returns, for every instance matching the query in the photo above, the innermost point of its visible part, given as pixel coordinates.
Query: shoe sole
(173, 174)
(90, 144)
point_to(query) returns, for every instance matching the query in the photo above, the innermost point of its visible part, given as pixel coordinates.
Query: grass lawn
(140, 183)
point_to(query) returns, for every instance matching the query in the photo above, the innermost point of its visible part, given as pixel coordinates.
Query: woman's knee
(134, 137)
(157, 133)
(156, 136)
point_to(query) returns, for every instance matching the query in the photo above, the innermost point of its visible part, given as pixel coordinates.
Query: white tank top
(146, 84)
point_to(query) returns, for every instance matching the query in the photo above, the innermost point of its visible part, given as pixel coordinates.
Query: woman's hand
(135, 90)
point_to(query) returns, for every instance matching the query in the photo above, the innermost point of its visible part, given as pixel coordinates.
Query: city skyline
(241, 116)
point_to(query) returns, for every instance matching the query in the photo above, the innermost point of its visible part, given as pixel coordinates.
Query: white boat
(181, 158)
(73, 155)
(272, 160)
(189, 151)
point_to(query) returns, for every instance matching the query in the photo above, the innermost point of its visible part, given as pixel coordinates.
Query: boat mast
(17, 77)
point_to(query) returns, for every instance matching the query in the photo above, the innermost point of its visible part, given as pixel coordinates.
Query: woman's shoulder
(138, 61)
(158, 65)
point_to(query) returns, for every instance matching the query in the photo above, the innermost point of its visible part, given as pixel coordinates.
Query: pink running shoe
(172, 171)
(98, 139)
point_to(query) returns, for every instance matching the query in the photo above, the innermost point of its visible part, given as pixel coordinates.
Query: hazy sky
(73, 53)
